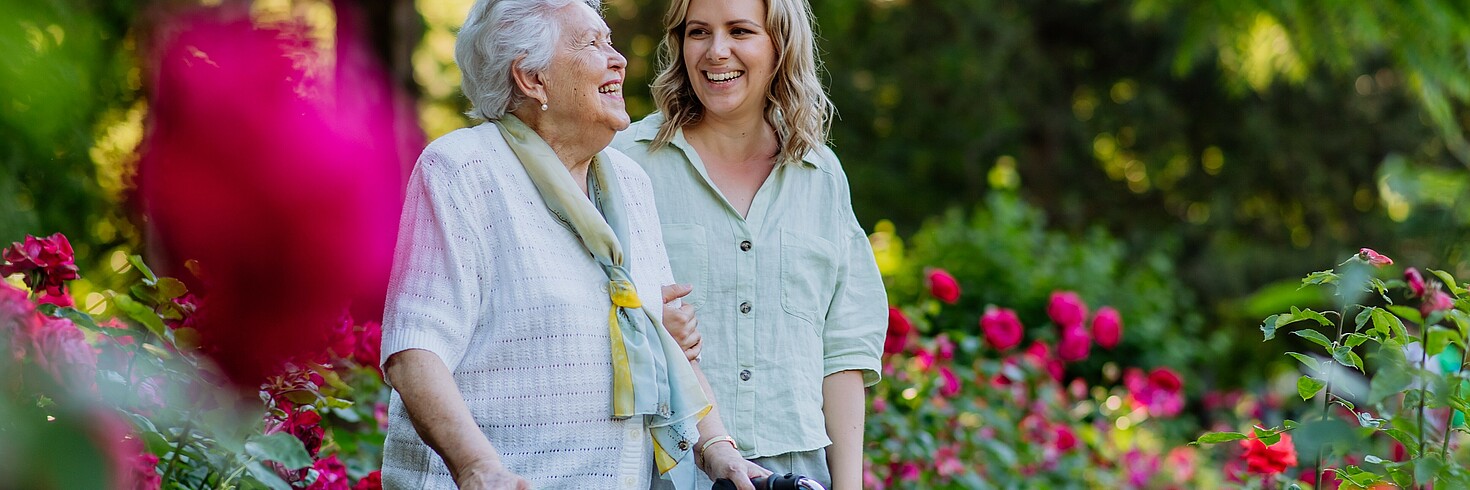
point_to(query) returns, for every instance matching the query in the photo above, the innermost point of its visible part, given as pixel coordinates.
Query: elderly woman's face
(729, 55)
(585, 80)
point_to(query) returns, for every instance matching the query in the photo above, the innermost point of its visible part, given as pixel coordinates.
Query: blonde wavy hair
(797, 106)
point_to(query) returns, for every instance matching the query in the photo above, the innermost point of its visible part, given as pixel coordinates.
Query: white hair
(494, 35)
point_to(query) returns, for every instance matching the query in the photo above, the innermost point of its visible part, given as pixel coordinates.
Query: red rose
(373, 481)
(305, 425)
(943, 285)
(1107, 327)
(1066, 309)
(1269, 460)
(1002, 328)
(1039, 353)
(898, 331)
(1416, 281)
(1165, 379)
(1374, 258)
(369, 345)
(46, 262)
(1075, 344)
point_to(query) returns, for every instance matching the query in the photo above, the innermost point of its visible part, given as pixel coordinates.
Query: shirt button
(745, 375)
(745, 246)
(628, 482)
(683, 445)
(745, 307)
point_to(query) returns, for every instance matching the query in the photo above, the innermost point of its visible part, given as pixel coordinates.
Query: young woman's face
(729, 55)
(584, 84)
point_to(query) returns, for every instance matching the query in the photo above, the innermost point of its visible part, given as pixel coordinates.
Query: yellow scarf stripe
(622, 375)
(662, 458)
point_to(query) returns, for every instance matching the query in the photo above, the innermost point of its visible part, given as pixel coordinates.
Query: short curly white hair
(494, 35)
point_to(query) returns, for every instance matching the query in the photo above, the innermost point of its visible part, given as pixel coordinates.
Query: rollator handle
(784, 482)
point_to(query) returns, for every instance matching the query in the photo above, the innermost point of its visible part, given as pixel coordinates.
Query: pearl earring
(543, 106)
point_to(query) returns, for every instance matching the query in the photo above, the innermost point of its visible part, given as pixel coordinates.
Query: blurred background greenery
(1223, 149)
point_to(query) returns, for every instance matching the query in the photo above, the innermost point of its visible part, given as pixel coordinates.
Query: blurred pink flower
(898, 331)
(944, 347)
(1107, 327)
(1415, 280)
(1183, 461)
(1066, 309)
(1159, 391)
(1075, 344)
(1269, 460)
(1373, 257)
(879, 405)
(342, 338)
(947, 461)
(1140, 467)
(1066, 439)
(61, 350)
(1002, 328)
(331, 475)
(280, 174)
(943, 285)
(369, 345)
(951, 386)
(923, 359)
(1039, 354)
(1436, 300)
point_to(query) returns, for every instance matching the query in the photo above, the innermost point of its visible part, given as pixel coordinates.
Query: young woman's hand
(680, 321)
(721, 460)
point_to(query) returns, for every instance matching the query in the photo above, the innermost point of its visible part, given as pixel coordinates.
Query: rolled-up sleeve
(434, 291)
(857, 319)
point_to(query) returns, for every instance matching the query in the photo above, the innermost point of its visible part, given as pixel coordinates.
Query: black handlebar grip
(783, 482)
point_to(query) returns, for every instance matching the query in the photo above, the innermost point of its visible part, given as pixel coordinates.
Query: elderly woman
(757, 216)
(515, 337)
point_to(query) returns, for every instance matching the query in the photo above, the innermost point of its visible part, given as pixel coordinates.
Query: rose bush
(144, 399)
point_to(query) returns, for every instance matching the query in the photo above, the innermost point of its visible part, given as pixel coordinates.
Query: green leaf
(1358, 476)
(1362, 318)
(1320, 277)
(267, 476)
(1314, 336)
(170, 288)
(1439, 337)
(1388, 324)
(1449, 282)
(1428, 467)
(1307, 361)
(1406, 439)
(140, 313)
(80, 319)
(1345, 356)
(1462, 322)
(1356, 339)
(148, 277)
(1268, 327)
(1219, 437)
(1311, 315)
(156, 443)
(1289, 424)
(1307, 387)
(1407, 313)
(1267, 436)
(280, 447)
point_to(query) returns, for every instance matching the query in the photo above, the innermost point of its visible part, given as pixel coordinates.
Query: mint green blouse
(785, 296)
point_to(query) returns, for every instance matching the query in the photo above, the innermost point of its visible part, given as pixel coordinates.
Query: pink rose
(1066, 309)
(1107, 327)
(1039, 353)
(331, 474)
(943, 285)
(1416, 281)
(1075, 344)
(1372, 257)
(305, 425)
(1165, 379)
(944, 347)
(1159, 391)
(1002, 328)
(50, 258)
(1436, 300)
(947, 462)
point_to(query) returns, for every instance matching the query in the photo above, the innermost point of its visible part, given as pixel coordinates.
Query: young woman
(757, 216)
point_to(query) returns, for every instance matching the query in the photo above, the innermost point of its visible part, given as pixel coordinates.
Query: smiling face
(584, 84)
(729, 55)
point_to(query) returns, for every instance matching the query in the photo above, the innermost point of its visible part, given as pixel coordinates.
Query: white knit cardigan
(486, 278)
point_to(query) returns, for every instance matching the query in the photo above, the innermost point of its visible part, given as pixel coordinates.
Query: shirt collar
(648, 129)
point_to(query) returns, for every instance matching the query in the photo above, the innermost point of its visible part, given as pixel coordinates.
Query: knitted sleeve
(434, 290)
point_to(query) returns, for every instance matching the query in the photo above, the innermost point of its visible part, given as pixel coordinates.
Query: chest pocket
(689, 257)
(808, 277)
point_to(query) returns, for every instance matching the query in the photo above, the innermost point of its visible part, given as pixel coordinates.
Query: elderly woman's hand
(723, 461)
(680, 320)
(490, 476)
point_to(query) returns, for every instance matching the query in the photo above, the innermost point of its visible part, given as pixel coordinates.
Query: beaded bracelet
(713, 440)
